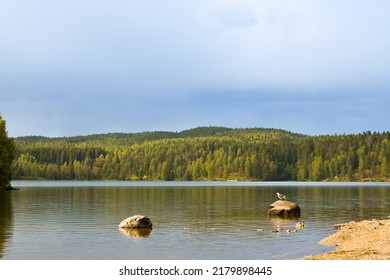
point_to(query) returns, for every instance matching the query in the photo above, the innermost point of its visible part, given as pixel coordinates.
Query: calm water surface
(191, 220)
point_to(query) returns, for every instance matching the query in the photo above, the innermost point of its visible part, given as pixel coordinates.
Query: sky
(80, 67)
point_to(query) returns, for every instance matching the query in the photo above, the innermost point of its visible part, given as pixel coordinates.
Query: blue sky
(80, 67)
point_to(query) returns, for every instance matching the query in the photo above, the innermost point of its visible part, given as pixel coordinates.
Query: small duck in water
(300, 225)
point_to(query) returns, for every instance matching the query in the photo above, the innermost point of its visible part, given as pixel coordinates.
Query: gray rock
(136, 221)
(284, 208)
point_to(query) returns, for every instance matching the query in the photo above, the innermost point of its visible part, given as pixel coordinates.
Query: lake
(78, 220)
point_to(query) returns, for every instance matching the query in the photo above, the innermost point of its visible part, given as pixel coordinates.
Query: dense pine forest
(206, 153)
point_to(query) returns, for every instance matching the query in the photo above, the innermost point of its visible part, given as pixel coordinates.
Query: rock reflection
(136, 232)
(283, 223)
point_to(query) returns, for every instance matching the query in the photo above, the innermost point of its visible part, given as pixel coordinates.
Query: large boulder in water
(284, 208)
(136, 221)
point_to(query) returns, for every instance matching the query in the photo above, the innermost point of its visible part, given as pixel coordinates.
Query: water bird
(300, 225)
(289, 230)
(281, 196)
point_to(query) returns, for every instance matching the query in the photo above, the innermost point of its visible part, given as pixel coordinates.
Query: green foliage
(7, 149)
(205, 153)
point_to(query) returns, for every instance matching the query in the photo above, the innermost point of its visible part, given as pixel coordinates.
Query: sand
(364, 240)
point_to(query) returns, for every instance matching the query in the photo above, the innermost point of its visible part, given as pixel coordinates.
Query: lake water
(191, 220)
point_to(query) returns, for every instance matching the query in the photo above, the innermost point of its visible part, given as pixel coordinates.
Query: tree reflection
(5, 220)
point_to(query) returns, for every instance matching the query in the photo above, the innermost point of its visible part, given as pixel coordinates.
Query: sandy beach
(363, 240)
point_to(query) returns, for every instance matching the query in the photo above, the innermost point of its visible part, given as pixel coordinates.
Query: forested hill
(205, 153)
(126, 138)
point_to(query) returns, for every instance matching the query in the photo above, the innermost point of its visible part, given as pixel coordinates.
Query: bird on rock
(281, 196)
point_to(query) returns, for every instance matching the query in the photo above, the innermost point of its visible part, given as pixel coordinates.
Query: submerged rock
(284, 208)
(136, 221)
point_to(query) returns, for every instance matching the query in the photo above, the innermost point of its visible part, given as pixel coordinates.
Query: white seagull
(281, 196)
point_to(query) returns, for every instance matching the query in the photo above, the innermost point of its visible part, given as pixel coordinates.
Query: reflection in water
(205, 222)
(283, 223)
(5, 219)
(136, 232)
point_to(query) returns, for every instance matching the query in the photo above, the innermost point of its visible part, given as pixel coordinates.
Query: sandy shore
(364, 240)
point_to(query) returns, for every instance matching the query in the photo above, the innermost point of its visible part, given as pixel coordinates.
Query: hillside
(205, 153)
(127, 138)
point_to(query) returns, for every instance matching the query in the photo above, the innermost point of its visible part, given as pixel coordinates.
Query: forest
(206, 153)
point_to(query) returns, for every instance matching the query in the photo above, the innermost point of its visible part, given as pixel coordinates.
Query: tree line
(206, 153)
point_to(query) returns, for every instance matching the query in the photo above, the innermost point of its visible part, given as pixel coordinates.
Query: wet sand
(364, 240)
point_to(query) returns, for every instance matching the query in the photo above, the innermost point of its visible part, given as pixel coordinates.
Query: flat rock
(137, 221)
(284, 208)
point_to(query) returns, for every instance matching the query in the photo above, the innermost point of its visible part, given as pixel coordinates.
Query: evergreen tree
(206, 154)
(7, 154)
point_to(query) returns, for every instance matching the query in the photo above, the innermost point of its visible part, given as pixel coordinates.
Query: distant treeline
(206, 153)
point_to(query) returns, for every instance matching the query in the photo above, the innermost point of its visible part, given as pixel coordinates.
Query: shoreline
(338, 180)
(363, 240)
